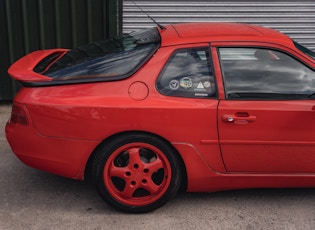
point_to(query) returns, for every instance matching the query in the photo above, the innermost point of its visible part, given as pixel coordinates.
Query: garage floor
(31, 199)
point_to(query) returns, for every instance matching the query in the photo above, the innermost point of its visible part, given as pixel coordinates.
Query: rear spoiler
(29, 68)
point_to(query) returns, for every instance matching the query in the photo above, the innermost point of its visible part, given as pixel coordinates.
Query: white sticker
(207, 84)
(186, 83)
(200, 86)
(201, 94)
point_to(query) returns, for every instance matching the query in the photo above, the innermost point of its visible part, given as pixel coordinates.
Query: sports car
(198, 107)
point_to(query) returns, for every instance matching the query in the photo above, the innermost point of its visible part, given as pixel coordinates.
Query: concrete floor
(31, 199)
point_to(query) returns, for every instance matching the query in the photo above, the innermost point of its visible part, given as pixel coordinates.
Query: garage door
(294, 18)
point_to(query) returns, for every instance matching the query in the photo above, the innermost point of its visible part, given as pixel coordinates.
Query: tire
(137, 173)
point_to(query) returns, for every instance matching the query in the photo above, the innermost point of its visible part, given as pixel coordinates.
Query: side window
(188, 74)
(255, 73)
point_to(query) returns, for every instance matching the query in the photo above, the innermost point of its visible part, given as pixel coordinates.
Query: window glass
(188, 74)
(267, 74)
(116, 57)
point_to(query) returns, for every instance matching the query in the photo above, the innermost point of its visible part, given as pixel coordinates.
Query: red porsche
(200, 106)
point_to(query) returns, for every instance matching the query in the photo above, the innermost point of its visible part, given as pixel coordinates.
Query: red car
(200, 106)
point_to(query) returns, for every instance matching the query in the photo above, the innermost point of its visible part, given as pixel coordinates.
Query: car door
(266, 122)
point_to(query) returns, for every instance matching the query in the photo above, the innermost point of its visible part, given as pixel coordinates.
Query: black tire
(137, 173)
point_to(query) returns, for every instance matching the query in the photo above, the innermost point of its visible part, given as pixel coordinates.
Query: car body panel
(66, 157)
(272, 147)
(280, 138)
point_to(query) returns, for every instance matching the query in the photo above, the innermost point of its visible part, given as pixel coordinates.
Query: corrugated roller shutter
(294, 18)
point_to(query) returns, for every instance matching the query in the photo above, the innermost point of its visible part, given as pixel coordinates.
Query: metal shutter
(294, 18)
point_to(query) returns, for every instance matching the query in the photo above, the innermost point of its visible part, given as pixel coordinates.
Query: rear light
(18, 115)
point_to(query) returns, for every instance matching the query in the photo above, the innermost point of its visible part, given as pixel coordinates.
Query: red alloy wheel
(137, 174)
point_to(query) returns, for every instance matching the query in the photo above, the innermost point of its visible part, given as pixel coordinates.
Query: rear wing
(28, 69)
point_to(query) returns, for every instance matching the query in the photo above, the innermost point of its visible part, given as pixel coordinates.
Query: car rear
(54, 82)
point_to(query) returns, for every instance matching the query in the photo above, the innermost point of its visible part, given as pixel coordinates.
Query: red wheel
(137, 173)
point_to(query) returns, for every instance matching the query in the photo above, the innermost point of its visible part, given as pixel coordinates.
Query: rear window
(115, 58)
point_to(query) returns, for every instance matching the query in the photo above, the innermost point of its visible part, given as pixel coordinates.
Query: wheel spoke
(115, 171)
(134, 156)
(155, 165)
(151, 187)
(129, 190)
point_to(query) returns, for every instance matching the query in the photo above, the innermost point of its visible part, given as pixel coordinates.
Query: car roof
(184, 33)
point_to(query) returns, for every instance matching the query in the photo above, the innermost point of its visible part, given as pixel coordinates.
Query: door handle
(239, 118)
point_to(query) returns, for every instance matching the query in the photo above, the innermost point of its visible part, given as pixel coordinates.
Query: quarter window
(188, 73)
(252, 73)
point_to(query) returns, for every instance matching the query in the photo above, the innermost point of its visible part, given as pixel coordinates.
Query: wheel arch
(92, 157)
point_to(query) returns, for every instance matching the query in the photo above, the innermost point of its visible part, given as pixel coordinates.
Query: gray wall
(296, 18)
(28, 25)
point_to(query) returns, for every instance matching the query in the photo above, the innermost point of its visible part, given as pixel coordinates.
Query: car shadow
(43, 190)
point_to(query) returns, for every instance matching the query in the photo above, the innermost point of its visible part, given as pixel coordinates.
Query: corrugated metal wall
(295, 18)
(28, 25)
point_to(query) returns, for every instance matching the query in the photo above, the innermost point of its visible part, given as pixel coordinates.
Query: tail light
(18, 115)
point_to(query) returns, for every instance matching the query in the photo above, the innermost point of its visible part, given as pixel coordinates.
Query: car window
(188, 73)
(257, 73)
(113, 58)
